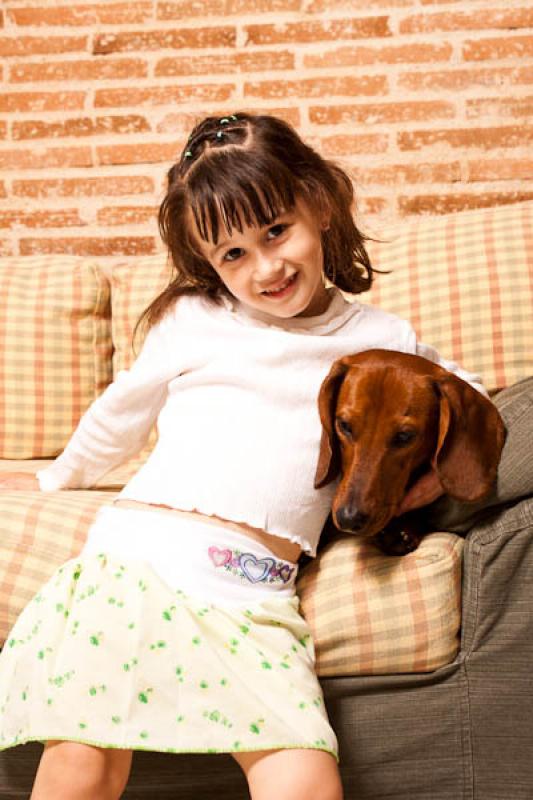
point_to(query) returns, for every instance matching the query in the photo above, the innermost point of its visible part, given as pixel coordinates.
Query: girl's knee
(72, 769)
(291, 775)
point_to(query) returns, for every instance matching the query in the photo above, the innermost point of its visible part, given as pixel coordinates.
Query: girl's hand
(24, 481)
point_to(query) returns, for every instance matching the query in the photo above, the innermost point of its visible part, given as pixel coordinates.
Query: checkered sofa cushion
(464, 281)
(381, 615)
(55, 350)
(39, 532)
(134, 285)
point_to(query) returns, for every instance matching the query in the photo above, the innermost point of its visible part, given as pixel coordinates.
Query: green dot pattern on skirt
(106, 653)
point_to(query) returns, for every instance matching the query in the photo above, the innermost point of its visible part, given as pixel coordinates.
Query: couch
(425, 660)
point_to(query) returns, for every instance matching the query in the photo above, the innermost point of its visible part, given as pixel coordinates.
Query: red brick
(80, 126)
(457, 79)
(183, 123)
(3, 192)
(41, 158)
(111, 186)
(319, 6)
(413, 53)
(372, 113)
(163, 95)
(107, 13)
(40, 219)
(320, 31)
(212, 8)
(486, 138)
(396, 174)
(262, 61)
(500, 169)
(126, 68)
(371, 205)
(477, 20)
(485, 49)
(3, 130)
(127, 215)
(42, 101)
(116, 246)
(168, 39)
(151, 153)
(499, 107)
(353, 144)
(445, 204)
(6, 248)
(341, 86)
(37, 45)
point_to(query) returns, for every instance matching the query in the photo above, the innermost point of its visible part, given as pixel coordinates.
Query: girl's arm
(117, 424)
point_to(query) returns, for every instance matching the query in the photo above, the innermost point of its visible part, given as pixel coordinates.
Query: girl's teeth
(280, 288)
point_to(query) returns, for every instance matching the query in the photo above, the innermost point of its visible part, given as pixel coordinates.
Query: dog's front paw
(397, 541)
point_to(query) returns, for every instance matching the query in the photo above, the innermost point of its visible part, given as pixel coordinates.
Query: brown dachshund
(401, 431)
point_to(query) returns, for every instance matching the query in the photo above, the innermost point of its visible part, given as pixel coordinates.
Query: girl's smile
(275, 268)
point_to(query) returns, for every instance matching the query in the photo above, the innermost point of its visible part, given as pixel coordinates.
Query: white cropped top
(234, 392)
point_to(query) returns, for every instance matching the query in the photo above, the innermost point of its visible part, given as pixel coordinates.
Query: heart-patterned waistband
(251, 568)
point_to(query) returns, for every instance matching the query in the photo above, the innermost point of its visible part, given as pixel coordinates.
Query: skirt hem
(172, 750)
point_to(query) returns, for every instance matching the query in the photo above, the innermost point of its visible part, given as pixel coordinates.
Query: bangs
(226, 190)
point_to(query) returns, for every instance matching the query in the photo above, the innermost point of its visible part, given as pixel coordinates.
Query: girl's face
(277, 268)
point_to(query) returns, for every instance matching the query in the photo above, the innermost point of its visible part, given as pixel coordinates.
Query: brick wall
(426, 103)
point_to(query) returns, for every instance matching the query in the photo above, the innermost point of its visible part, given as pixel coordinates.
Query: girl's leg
(75, 771)
(291, 774)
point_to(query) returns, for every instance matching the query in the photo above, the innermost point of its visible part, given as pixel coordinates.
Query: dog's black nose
(350, 520)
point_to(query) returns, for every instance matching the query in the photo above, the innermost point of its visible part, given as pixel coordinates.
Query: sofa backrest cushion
(465, 282)
(134, 285)
(55, 350)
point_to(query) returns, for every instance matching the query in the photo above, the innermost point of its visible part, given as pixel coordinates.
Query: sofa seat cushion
(40, 531)
(368, 612)
(56, 349)
(463, 280)
(374, 614)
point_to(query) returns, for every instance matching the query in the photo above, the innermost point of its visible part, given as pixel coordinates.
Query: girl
(177, 629)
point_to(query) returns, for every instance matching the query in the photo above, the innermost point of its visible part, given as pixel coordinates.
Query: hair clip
(234, 117)
(220, 134)
(188, 154)
(224, 121)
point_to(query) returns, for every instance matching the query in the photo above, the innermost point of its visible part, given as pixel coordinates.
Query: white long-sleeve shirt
(234, 392)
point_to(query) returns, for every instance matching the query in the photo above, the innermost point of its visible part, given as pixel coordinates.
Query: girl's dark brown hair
(246, 169)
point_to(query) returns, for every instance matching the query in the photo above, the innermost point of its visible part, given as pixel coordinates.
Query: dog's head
(400, 431)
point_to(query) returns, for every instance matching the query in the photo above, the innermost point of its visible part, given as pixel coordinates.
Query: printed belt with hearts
(251, 568)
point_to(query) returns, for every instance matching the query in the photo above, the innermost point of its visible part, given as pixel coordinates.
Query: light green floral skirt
(108, 654)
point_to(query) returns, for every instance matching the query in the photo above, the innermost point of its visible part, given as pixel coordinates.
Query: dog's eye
(402, 438)
(344, 428)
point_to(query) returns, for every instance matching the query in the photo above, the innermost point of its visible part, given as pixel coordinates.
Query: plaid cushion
(134, 285)
(39, 532)
(55, 350)
(373, 614)
(464, 282)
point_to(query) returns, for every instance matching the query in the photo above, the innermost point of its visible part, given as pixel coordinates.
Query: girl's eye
(276, 230)
(233, 254)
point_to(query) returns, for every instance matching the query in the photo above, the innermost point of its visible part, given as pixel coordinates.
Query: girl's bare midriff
(282, 548)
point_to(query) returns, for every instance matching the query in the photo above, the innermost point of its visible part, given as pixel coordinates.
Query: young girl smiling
(177, 628)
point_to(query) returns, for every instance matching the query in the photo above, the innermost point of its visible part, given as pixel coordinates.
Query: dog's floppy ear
(470, 441)
(328, 466)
